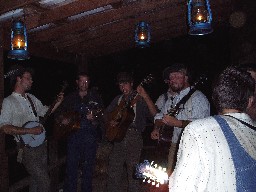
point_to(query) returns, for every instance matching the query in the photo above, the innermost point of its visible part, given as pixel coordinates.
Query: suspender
(32, 105)
(247, 124)
(244, 164)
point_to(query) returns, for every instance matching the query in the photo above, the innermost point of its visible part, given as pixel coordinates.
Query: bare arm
(148, 100)
(59, 100)
(14, 130)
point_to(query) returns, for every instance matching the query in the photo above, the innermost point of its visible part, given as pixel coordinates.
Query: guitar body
(62, 131)
(124, 117)
(30, 139)
(166, 133)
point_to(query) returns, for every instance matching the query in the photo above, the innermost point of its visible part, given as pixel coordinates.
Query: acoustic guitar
(123, 115)
(165, 131)
(36, 140)
(69, 122)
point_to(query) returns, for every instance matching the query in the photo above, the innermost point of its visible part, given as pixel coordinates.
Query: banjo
(30, 139)
(36, 140)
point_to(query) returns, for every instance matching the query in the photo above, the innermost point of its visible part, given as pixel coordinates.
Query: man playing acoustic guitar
(82, 142)
(18, 109)
(196, 106)
(136, 106)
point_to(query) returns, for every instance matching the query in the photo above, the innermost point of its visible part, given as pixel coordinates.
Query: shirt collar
(18, 94)
(185, 91)
(242, 116)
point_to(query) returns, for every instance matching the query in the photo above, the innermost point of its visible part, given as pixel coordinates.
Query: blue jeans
(81, 153)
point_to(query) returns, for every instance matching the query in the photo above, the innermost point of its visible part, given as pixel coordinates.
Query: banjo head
(30, 139)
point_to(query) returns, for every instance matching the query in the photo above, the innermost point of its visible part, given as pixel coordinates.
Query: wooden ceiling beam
(9, 5)
(124, 45)
(97, 20)
(125, 38)
(114, 28)
(65, 11)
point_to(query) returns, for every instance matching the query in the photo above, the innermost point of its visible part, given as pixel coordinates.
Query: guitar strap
(185, 98)
(32, 105)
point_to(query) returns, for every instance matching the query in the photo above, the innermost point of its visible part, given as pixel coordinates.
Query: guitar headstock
(151, 173)
(148, 79)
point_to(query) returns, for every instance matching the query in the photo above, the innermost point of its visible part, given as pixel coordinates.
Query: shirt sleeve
(163, 110)
(160, 102)
(6, 111)
(40, 108)
(200, 107)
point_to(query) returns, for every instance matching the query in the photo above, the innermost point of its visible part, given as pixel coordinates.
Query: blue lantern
(199, 17)
(142, 35)
(18, 42)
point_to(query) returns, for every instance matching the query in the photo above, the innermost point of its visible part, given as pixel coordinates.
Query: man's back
(207, 153)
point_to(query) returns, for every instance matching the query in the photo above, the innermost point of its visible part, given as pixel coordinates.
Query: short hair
(84, 74)
(232, 89)
(177, 67)
(17, 71)
(123, 77)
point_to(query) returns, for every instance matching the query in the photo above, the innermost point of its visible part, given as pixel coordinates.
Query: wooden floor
(152, 151)
(158, 153)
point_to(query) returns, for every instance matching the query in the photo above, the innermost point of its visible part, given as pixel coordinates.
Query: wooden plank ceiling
(99, 33)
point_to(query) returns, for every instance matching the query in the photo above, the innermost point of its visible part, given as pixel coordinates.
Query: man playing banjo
(19, 108)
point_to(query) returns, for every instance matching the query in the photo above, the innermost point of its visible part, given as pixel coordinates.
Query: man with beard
(78, 109)
(197, 106)
(18, 109)
(127, 150)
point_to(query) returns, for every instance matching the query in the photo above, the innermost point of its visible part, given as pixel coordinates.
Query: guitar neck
(47, 114)
(49, 111)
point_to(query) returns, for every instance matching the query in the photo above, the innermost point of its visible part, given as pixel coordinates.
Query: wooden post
(4, 176)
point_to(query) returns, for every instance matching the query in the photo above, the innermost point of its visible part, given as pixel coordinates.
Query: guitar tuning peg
(153, 183)
(149, 181)
(157, 185)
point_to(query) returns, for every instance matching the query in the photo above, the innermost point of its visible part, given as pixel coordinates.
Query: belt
(132, 127)
(29, 147)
